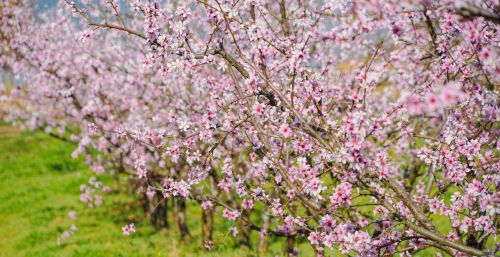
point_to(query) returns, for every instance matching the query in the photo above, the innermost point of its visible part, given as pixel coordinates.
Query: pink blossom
(85, 35)
(313, 238)
(207, 205)
(234, 231)
(451, 94)
(209, 245)
(285, 131)
(128, 229)
(247, 204)
(72, 215)
(98, 169)
(342, 194)
(258, 109)
(230, 215)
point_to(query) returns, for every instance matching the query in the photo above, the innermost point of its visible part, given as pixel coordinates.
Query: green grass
(39, 185)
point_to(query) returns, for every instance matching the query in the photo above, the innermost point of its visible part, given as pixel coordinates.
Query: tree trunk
(290, 247)
(116, 174)
(180, 219)
(207, 227)
(146, 205)
(115, 187)
(264, 236)
(244, 229)
(159, 214)
(163, 217)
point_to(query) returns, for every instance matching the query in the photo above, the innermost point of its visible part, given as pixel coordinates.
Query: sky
(45, 4)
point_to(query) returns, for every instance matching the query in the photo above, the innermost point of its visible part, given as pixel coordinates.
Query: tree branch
(470, 12)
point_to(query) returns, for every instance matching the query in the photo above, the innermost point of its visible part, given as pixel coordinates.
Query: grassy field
(39, 185)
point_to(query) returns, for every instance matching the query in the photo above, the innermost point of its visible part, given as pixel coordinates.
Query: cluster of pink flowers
(89, 192)
(128, 229)
(230, 214)
(67, 234)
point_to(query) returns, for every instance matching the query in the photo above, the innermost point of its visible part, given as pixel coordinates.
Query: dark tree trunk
(180, 219)
(208, 224)
(159, 214)
(163, 217)
(116, 175)
(244, 229)
(146, 205)
(290, 247)
(115, 187)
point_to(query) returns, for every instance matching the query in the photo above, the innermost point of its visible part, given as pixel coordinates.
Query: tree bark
(290, 247)
(264, 236)
(159, 214)
(244, 229)
(180, 219)
(208, 223)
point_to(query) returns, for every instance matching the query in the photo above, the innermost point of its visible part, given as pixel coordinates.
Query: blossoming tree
(357, 125)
